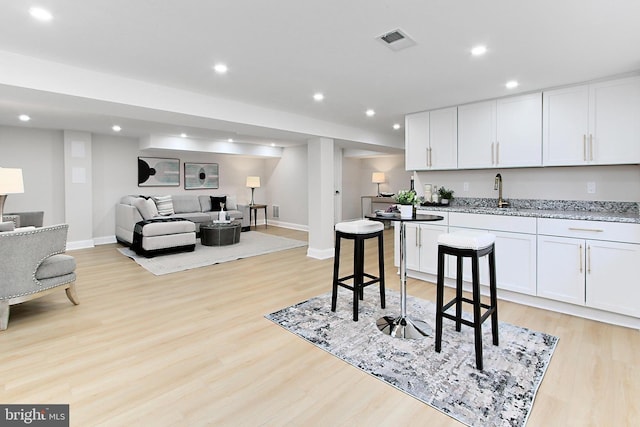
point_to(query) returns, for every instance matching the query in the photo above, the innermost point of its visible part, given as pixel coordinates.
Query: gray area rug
(501, 395)
(251, 243)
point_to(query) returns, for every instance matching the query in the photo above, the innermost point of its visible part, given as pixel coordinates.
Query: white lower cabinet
(515, 262)
(515, 250)
(601, 274)
(422, 246)
(422, 243)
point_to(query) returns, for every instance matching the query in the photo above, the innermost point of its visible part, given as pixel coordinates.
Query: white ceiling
(281, 52)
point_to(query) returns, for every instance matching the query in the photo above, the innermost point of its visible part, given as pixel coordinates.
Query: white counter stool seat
(472, 245)
(358, 231)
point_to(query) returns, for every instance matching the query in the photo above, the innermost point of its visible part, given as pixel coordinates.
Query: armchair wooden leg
(4, 315)
(71, 294)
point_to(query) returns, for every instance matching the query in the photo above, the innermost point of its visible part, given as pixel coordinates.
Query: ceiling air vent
(396, 40)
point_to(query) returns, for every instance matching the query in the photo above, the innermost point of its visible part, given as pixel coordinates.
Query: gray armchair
(33, 264)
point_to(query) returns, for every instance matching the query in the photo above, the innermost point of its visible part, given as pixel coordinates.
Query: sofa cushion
(146, 207)
(7, 226)
(56, 265)
(215, 203)
(185, 203)
(164, 205)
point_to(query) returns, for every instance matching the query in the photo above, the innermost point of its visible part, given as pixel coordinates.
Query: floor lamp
(10, 183)
(253, 182)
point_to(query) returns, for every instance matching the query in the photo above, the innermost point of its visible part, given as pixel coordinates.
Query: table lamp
(10, 183)
(378, 178)
(253, 182)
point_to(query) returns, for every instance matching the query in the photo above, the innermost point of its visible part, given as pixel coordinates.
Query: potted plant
(445, 195)
(406, 199)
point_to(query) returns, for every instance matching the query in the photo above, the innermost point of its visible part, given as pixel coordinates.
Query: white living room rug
(251, 243)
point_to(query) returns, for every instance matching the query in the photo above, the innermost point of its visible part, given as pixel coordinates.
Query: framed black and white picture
(200, 175)
(158, 172)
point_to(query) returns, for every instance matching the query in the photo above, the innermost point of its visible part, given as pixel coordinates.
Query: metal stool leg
(336, 271)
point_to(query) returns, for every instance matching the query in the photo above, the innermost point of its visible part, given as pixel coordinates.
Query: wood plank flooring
(193, 349)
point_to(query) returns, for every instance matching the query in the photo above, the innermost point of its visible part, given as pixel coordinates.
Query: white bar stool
(472, 245)
(358, 231)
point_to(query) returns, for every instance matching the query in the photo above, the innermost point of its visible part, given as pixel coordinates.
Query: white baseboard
(320, 253)
(288, 225)
(80, 244)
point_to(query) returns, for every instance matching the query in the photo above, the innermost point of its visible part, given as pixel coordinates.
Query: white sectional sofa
(196, 208)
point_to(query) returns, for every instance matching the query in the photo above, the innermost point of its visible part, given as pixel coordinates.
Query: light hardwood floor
(193, 349)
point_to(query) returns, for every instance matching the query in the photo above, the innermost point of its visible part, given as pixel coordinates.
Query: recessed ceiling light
(116, 128)
(396, 126)
(273, 144)
(184, 135)
(318, 96)
(220, 68)
(370, 112)
(512, 84)
(40, 14)
(479, 50)
(230, 139)
(24, 118)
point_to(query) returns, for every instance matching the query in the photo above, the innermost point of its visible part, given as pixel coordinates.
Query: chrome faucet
(498, 186)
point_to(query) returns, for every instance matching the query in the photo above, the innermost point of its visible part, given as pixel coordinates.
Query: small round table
(402, 326)
(220, 233)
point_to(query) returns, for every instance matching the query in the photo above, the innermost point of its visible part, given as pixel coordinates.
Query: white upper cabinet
(519, 131)
(431, 139)
(476, 135)
(416, 143)
(443, 138)
(501, 133)
(592, 124)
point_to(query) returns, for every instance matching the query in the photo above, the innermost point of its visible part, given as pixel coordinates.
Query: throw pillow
(164, 205)
(231, 203)
(146, 207)
(215, 203)
(7, 226)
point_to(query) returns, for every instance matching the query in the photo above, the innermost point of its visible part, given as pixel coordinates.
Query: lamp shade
(11, 181)
(377, 177)
(253, 181)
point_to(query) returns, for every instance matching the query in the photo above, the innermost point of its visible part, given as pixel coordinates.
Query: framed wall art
(200, 175)
(158, 172)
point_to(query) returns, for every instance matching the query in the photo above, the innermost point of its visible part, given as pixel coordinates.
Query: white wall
(40, 155)
(613, 183)
(287, 186)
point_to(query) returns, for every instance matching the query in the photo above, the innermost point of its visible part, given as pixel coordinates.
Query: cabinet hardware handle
(417, 237)
(580, 257)
(492, 156)
(584, 147)
(497, 153)
(589, 259)
(427, 155)
(430, 156)
(595, 230)
(590, 146)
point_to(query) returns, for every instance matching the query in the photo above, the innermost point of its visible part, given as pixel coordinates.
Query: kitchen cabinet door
(476, 135)
(443, 139)
(519, 131)
(412, 241)
(428, 235)
(561, 269)
(416, 141)
(565, 126)
(614, 118)
(516, 263)
(612, 272)
(596, 124)
(422, 247)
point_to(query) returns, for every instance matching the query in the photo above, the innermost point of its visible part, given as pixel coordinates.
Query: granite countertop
(626, 212)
